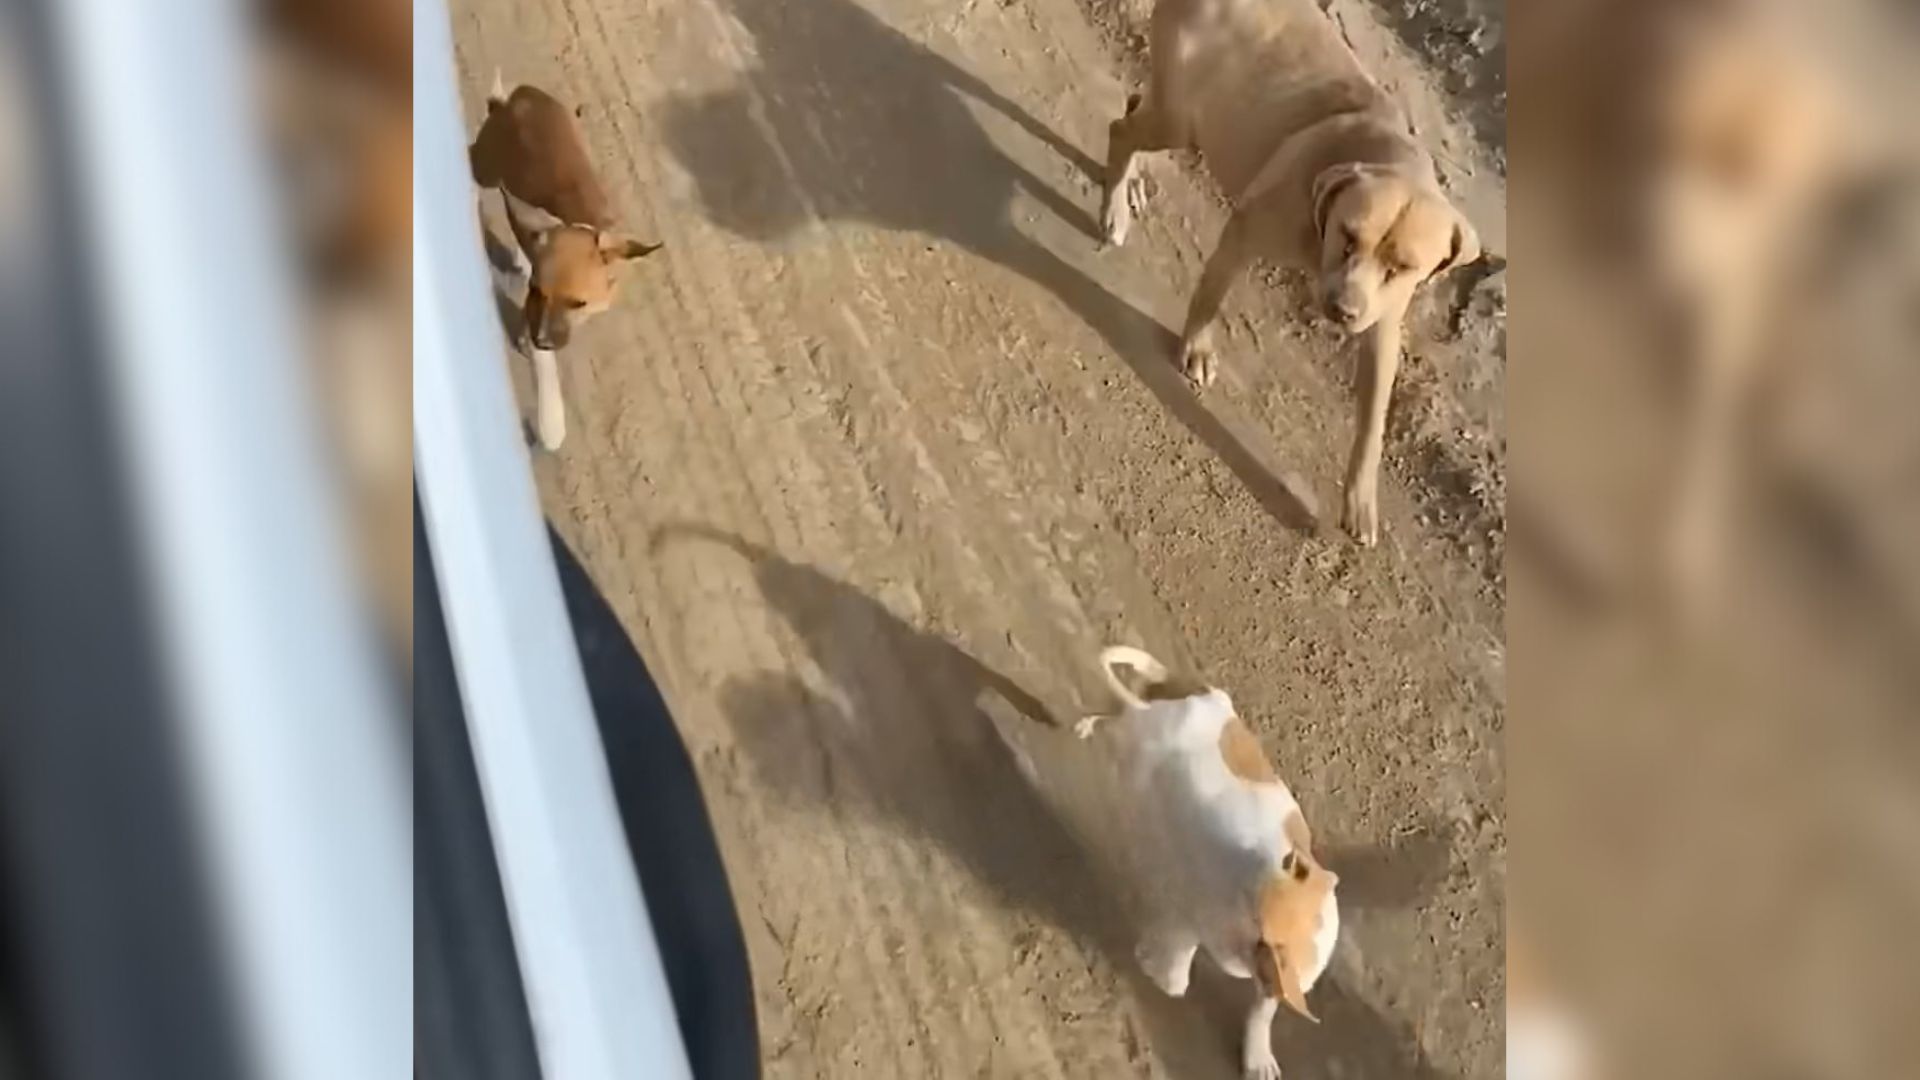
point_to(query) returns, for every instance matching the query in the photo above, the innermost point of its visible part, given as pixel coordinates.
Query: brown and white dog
(1322, 173)
(1238, 875)
(530, 148)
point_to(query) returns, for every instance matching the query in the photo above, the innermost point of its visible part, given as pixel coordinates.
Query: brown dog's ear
(618, 248)
(1327, 186)
(1466, 247)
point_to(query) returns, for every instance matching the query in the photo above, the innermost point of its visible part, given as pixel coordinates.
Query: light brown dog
(530, 148)
(1322, 173)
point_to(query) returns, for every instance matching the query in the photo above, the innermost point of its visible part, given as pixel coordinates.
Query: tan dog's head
(573, 272)
(1299, 922)
(1382, 233)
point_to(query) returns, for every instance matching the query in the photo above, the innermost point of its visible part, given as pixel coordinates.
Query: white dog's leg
(552, 411)
(1166, 955)
(1256, 1050)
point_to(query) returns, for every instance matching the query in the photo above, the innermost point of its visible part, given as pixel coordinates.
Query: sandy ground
(882, 447)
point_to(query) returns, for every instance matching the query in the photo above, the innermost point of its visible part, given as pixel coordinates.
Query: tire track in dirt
(860, 449)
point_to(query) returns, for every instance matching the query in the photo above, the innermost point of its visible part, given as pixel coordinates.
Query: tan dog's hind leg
(1229, 260)
(1723, 361)
(1363, 465)
(1141, 130)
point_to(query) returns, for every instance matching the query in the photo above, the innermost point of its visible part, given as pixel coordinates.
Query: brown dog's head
(1299, 922)
(573, 272)
(1382, 233)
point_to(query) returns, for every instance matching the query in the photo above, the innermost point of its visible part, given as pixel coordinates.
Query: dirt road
(881, 443)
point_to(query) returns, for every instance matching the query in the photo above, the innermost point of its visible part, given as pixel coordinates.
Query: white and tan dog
(1545, 1040)
(1322, 173)
(1237, 876)
(531, 149)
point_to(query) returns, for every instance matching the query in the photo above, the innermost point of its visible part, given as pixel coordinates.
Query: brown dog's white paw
(1086, 725)
(550, 410)
(1362, 518)
(1199, 362)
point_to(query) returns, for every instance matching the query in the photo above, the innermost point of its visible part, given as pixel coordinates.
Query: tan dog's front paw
(1362, 518)
(1123, 203)
(1199, 362)
(1262, 1068)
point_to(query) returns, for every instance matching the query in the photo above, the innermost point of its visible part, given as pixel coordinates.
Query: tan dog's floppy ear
(1276, 975)
(616, 248)
(1328, 185)
(1466, 246)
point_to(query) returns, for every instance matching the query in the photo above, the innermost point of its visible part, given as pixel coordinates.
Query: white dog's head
(1299, 923)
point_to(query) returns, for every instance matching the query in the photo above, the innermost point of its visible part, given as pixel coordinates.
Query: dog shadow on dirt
(914, 746)
(845, 119)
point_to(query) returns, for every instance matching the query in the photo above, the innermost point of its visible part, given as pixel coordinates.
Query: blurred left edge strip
(297, 765)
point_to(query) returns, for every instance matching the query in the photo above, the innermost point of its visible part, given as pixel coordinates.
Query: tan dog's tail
(1153, 671)
(497, 95)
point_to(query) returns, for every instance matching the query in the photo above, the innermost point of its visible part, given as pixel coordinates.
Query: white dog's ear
(530, 218)
(1293, 995)
(1278, 977)
(1328, 186)
(1466, 246)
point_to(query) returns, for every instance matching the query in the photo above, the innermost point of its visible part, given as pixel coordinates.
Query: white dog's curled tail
(497, 96)
(1153, 671)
